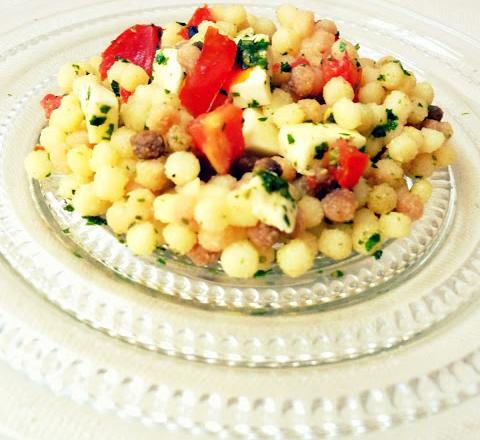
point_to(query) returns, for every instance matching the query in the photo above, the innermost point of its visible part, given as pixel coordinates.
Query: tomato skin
(125, 95)
(50, 102)
(201, 14)
(218, 136)
(136, 44)
(345, 68)
(211, 72)
(351, 165)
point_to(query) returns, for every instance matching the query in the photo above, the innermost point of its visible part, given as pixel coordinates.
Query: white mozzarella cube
(251, 88)
(261, 135)
(167, 71)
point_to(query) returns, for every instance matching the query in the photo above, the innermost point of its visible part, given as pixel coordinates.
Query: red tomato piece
(125, 94)
(300, 61)
(212, 70)
(50, 102)
(345, 68)
(201, 14)
(137, 44)
(351, 165)
(218, 135)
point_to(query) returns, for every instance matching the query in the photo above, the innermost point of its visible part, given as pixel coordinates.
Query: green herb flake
(261, 273)
(161, 261)
(342, 46)
(363, 149)
(378, 254)
(391, 124)
(77, 254)
(181, 23)
(89, 93)
(274, 183)
(160, 58)
(66, 231)
(97, 120)
(285, 67)
(94, 220)
(420, 105)
(115, 87)
(76, 67)
(320, 150)
(357, 46)
(236, 94)
(381, 77)
(337, 274)
(105, 108)
(262, 119)
(167, 91)
(405, 72)
(108, 132)
(372, 241)
(465, 113)
(286, 219)
(254, 104)
(69, 208)
(252, 53)
(344, 134)
(290, 138)
(331, 118)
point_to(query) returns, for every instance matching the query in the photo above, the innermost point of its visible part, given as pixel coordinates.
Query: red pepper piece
(50, 102)
(201, 14)
(345, 68)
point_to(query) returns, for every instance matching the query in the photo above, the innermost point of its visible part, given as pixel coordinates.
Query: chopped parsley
(420, 105)
(261, 273)
(274, 183)
(252, 53)
(76, 67)
(405, 72)
(344, 134)
(337, 274)
(253, 104)
(331, 118)
(357, 46)
(235, 94)
(94, 220)
(160, 58)
(77, 254)
(66, 231)
(285, 67)
(286, 219)
(290, 138)
(381, 77)
(263, 119)
(105, 108)
(320, 150)
(363, 149)
(119, 58)
(89, 92)
(378, 254)
(97, 120)
(391, 124)
(108, 132)
(69, 208)
(181, 23)
(167, 91)
(115, 87)
(161, 261)
(465, 113)
(372, 241)
(342, 46)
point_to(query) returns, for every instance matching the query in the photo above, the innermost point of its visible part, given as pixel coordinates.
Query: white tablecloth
(28, 410)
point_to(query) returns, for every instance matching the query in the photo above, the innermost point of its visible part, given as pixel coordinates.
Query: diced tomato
(50, 102)
(137, 44)
(218, 135)
(345, 68)
(201, 14)
(211, 71)
(125, 95)
(300, 61)
(351, 165)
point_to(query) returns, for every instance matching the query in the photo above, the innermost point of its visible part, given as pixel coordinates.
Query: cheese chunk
(261, 135)
(100, 107)
(167, 71)
(298, 142)
(272, 208)
(251, 88)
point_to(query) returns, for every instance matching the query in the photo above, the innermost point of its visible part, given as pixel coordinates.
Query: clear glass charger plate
(442, 274)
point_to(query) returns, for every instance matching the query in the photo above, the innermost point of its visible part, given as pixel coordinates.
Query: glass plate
(327, 400)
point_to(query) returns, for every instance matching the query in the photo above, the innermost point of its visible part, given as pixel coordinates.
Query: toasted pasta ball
(140, 204)
(264, 26)
(103, 155)
(68, 185)
(38, 165)
(372, 92)
(365, 218)
(342, 47)
(178, 138)
(409, 204)
(335, 244)
(424, 90)
(312, 109)
(109, 183)
(382, 198)
(129, 76)
(388, 171)
(211, 214)
(179, 238)
(327, 25)
(402, 148)
(68, 73)
(400, 104)
(314, 46)
(367, 239)
(239, 211)
(347, 113)
(311, 241)
(151, 174)
(279, 98)
(361, 190)
(224, 181)
(374, 146)
(79, 137)
(52, 138)
(336, 89)
(432, 140)
(68, 116)
(142, 239)
(391, 75)
(370, 74)
(422, 166)
(240, 259)
(415, 134)
(395, 225)
(235, 14)
(302, 22)
(216, 241)
(312, 211)
(285, 40)
(119, 219)
(120, 142)
(78, 159)
(423, 189)
(419, 111)
(170, 35)
(166, 208)
(288, 114)
(444, 156)
(86, 202)
(182, 167)
(295, 258)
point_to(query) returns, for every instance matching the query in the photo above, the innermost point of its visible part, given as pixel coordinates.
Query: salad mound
(236, 140)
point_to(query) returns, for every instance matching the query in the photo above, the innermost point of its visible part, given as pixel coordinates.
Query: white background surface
(31, 411)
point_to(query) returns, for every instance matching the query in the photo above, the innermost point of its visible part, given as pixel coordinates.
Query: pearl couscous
(234, 139)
